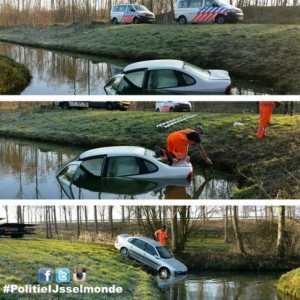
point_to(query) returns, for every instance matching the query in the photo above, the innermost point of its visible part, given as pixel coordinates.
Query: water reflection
(56, 73)
(223, 286)
(61, 73)
(28, 171)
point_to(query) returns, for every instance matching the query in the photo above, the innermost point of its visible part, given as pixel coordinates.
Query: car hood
(219, 75)
(176, 264)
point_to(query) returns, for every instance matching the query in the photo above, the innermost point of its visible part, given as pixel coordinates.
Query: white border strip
(199, 98)
(154, 202)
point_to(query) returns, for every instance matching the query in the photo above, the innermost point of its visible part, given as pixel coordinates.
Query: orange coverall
(178, 143)
(265, 113)
(162, 236)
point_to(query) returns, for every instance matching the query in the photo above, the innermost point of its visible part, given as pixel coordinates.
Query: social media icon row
(62, 275)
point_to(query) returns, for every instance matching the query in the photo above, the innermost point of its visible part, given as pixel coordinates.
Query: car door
(164, 81)
(151, 256)
(136, 249)
(193, 10)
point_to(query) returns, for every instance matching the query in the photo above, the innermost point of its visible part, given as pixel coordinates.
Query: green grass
(253, 51)
(289, 283)
(14, 76)
(266, 168)
(21, 260)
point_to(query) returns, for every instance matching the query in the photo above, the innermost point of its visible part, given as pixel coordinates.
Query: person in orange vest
(161, 235)
(265, 113)
(178, 143)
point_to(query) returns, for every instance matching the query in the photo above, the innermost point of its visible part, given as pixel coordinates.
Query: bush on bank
(289, 283)
(14, 76)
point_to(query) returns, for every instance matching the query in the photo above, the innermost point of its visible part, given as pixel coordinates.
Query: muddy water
(57, 73)
(28, 171)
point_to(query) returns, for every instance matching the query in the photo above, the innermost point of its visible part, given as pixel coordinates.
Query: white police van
(206, 11)
(131, 13)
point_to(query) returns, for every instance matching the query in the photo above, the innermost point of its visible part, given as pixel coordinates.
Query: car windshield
(163, 252)
(196, 70)
(221, 3)
(140, 7)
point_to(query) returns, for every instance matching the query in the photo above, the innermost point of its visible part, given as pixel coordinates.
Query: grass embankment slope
(269, 53)
(21, 260)
(14, 77)
(289, 283)
(267, 168)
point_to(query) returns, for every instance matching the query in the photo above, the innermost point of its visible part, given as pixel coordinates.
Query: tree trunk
(280, 248)
(236, 229)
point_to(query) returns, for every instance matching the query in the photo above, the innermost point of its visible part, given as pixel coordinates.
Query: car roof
(147, 240)
(155, 64)
(114, 150)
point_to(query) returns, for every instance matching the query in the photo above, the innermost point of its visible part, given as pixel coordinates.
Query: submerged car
(124, 161)
(150, 253)
(168, 76)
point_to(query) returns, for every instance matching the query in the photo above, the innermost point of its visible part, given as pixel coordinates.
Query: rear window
(196, 70)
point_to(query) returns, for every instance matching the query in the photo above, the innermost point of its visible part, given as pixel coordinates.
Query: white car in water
(168, 76)
(150, 253)
(124, 162)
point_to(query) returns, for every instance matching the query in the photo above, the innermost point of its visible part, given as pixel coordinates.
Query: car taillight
(190, 176)
(228, 90)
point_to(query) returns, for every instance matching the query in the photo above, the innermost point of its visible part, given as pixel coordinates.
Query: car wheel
(135, 21)
(220, 19)
(164, 273)
(108, 106)
(124, 252)
(114, 21)
(182, 20)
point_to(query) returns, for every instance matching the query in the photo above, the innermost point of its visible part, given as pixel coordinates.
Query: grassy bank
(266, 168)
(264, 52)
(14, 76)
(289, 283)
(21, 260)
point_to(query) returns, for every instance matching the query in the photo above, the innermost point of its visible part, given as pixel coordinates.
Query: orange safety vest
(178, 143)
(162, 236)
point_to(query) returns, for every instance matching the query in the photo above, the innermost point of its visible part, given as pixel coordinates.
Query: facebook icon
(45, 275)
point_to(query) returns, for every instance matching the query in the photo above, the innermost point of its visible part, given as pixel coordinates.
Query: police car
(131, 13)
(207, 11)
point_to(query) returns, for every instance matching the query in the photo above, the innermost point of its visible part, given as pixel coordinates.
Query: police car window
(136, 78)
(195, 3)
(122, 8)
(116, 8)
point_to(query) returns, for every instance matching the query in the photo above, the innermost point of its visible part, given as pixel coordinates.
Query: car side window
(136, 77)
(126, 87)
(188, 80)
(150, 167)
(68, 173)
(159, 79)
(139, 243)
(123, 166)
(94, 165)
(150, 249)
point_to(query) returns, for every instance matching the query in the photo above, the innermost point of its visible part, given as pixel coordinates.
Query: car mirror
(156, 256)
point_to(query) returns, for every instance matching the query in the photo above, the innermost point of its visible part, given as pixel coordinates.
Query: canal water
(222, 286)
(61, 73)
(28, 171)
